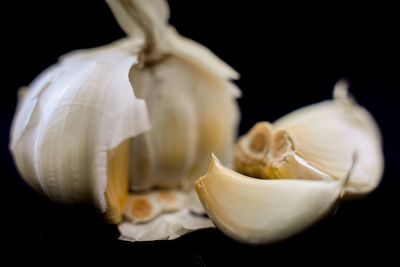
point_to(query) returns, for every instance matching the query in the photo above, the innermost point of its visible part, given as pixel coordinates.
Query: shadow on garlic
(300, 162)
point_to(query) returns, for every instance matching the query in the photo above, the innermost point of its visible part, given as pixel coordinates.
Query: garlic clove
(327, 134)
(304, 156)
(190, 98)
(117, 182)
(253, 149)
(262, 211)
(316, 142)
(163, 156)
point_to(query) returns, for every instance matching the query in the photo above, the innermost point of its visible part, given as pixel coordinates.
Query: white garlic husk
(144, 112)
(304, 161)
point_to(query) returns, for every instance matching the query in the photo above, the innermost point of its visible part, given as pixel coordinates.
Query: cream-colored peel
(262, 211)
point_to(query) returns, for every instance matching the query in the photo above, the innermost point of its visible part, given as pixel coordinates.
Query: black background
(288, 55)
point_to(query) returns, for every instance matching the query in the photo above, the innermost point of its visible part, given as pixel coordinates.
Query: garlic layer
(303, 159)
(144, 112)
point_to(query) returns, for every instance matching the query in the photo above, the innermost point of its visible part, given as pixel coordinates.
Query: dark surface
(289, 56)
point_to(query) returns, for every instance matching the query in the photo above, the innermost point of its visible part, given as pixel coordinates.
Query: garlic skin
(144, 112)
(307, 161)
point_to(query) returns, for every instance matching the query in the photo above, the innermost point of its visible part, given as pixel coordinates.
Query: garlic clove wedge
(327, 134)
(262, 211)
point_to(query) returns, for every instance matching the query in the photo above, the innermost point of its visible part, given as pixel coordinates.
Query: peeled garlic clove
(263, 211)
(327, 134)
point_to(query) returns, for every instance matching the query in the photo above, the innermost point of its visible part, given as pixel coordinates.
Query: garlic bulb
(144, 112)
(304, 160)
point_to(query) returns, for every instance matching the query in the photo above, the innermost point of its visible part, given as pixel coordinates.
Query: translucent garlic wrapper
(144, 112)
